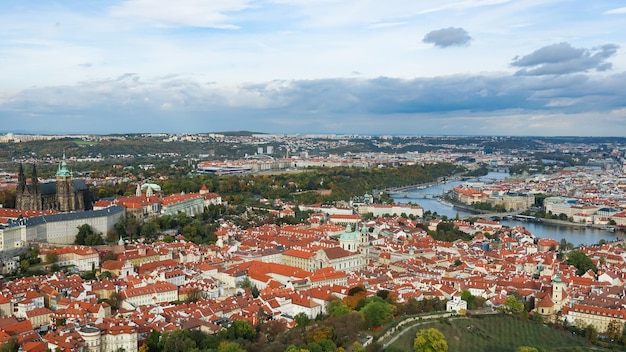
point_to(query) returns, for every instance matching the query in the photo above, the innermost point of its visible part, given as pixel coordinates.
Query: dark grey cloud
(463, 104)
(446, 37)
(563, 58)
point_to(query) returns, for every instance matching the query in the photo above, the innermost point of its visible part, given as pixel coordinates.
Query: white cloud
(617, 11)
(193, 13)
(286, 61)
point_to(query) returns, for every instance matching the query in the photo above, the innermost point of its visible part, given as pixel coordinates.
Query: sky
(401, 67)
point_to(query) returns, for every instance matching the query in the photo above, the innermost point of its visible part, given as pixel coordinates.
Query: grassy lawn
(495, 334)
(87, 143)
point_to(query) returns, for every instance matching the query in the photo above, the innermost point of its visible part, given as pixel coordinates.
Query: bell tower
(65, 188)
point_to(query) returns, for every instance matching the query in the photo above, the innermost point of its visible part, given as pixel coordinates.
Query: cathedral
(64, 194)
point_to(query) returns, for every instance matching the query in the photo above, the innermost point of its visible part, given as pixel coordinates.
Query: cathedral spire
(21, 180)
(63, 171)
(35, 179)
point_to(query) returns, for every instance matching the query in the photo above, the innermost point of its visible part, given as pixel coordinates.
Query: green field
(86, 143)
(495, 334)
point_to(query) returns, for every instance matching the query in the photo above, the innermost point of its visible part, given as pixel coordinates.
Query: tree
(376, 312)
(254, 291)
(177, 341)
(11, 345)
(193, 295)
(52, 257)
(527, 349)
(430, 340)
(105, 275)
(273, 328)
(239, 329)
(320, 333)
(468, 297)
(338, 309)
(346, 327)
(357, 347)
(229, 346)
(115, 300)
(614, 330)
(512, 305)
(302, 320)
(110, 255)
(88, 237)
(112, 237)
(84, 230)
(24, 265)
(153, 341)
(591, 334)
(581, 262)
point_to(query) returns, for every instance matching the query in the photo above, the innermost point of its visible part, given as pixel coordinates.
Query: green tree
(512, 305)
(239, 329)
(357, 347)
(230, 346)
(24, 265)
(581, 262)
(338, 308)
(376, 312)
(11, 345)
(302, 320)
(52, 257)
(149, 229)
(527, 349)
(468, 297)
(105, 275)
(83, 231)
(153, 341)
(430, 340)
(591, 334)
(176, 341)
(254, 291)
(88, 237)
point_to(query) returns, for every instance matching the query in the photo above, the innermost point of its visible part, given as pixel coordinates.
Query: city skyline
(492, 67)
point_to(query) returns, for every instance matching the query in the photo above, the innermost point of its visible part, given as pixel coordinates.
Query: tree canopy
(581, 262)
(88, 237)
(430, 340)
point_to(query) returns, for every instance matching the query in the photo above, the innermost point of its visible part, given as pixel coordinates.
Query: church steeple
(63, 171)
(35, 179)
(21, 180)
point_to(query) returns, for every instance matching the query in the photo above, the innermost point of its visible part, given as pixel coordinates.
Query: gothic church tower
(65, 188)
(28, 196)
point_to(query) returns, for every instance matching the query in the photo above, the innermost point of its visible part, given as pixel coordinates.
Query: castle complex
(65, 194)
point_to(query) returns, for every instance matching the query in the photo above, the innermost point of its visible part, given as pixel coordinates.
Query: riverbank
(581, 226)
(556, 222)
(573, 233)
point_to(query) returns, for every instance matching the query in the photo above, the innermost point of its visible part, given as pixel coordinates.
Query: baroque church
(64, 194)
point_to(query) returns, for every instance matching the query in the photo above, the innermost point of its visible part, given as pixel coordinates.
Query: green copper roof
(63, 171)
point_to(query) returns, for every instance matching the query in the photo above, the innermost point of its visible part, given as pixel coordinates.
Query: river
(575, 234)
